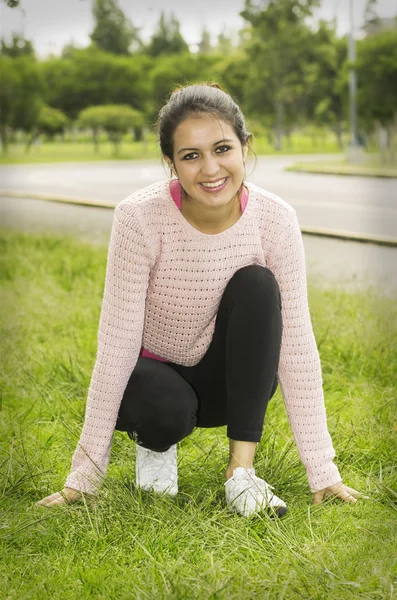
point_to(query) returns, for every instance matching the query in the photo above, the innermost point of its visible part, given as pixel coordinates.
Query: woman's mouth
(214, 186)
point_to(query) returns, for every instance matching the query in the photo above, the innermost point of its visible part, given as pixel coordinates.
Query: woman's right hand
(67, 496)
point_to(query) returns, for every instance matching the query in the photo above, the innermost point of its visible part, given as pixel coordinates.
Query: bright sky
(51, 24)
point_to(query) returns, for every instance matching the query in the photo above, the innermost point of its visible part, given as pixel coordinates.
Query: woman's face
(208, 160)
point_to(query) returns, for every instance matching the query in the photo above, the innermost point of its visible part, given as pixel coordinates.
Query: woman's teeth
(215, 184)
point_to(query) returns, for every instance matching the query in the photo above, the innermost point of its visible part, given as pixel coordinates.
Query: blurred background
(84, 79)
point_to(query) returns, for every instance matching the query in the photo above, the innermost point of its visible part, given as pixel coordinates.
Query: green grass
(129, 544)
(82, 151)
(372, 167)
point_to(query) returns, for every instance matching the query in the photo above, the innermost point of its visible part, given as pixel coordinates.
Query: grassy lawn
(372, 167)
(130, 545)
(84, 150)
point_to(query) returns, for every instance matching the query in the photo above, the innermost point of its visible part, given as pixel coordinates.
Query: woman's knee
(253, 280)
(158, 405)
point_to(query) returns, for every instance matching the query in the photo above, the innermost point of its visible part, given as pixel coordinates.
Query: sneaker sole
(281, 511)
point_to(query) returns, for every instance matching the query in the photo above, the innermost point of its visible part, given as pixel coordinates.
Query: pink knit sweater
(164, 282)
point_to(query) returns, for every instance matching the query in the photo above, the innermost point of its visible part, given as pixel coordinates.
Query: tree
(90, 77)
(51, 121)
(323, 102)
(276, 49)
(113, 32)
(225, 44)
(20, 95)
(178, 69)
(18, 47)
(376, 68)
(205, 46)
(370, 14)
(167, 39)
(115, 119)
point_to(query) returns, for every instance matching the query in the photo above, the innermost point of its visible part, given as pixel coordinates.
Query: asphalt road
(363, 205)
(330, 262)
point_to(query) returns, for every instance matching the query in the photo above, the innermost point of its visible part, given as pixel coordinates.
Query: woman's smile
(213, 187)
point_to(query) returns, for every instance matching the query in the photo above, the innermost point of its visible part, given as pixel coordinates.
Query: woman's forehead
(203, 129)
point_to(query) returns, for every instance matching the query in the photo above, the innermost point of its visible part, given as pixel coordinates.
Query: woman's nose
(210, 166)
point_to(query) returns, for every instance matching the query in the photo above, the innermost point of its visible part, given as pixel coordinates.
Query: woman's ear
(170, 165)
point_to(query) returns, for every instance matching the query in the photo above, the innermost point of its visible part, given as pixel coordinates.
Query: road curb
(51, 198)
(318, 232)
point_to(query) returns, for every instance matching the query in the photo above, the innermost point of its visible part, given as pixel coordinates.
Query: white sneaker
(247, 494)
(157, 471)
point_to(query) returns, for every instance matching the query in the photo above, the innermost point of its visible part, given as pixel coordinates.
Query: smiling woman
(204, 312)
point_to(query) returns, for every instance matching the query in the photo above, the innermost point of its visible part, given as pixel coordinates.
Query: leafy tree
(18, 47)
(115, 119)
(225, 44)
(20, 95)
(232, 71)
(90, 77)
(178, 69)
(205, 46)
(376, 68)
(324, 99)
(167, 39)
(276, 49)
(51, 121)
(113, 32)
(370, 14)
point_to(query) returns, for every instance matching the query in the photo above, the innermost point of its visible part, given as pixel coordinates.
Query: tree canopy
(167, 39)
(113, 32)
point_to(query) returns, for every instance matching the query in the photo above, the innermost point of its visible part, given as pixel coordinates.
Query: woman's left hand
(345, 493)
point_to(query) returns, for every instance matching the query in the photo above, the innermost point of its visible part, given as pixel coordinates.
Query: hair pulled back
(194, 100)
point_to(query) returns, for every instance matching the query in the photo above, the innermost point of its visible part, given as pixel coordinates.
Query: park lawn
(371, 168)
(130, 544)
(83, 151)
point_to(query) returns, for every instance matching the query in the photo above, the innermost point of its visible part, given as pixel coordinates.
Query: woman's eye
(188, 156)
(223, 148)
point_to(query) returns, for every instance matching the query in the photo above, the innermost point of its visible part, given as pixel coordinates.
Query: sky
(51, 24)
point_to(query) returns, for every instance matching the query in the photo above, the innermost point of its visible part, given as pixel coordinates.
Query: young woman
(204, 311)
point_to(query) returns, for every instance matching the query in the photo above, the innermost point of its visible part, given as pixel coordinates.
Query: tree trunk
(338, 133)
(278, 144)
(4, 138)
(383, 143)
(390, 143)
(31, 139)
(95, 139)
(138, 134)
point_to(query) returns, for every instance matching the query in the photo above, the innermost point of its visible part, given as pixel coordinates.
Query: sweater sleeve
(299, 368)
(119, 341)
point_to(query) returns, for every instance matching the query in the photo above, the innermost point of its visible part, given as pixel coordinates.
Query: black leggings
(231, 385)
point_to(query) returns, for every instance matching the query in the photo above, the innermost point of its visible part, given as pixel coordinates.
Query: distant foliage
(115, 120)
(286, 76)
(51, 121)
(17, 47)
(167, 39)
(113, 32)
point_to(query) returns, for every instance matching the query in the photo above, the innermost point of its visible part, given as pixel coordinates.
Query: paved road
(358, 204)
(330, 262)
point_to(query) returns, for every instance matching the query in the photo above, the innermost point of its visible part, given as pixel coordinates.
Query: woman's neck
(211, 218)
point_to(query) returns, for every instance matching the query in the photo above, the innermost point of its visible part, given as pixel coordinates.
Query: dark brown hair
(190, 100)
